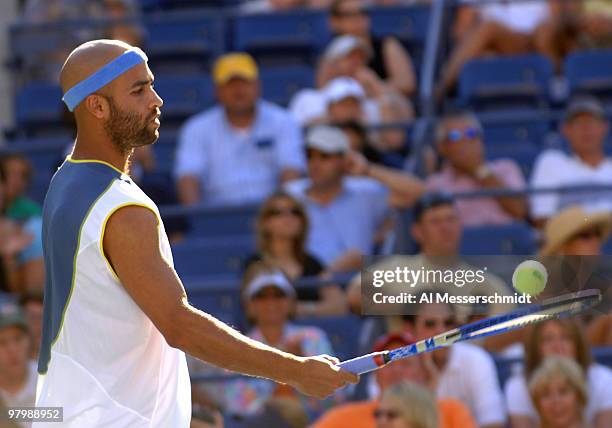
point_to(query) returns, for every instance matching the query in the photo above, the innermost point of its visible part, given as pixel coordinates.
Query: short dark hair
(334, 8)
(429, 201)
(416, 307)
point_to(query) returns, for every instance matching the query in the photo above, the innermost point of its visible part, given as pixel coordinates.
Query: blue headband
(103, 77)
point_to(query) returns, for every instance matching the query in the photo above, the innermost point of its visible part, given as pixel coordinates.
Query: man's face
(586, 133)
(438, 232)
(325, 169)
(238, 96)
(14, 348)
(587, 242)
(351, 19)
(17, 176)
(345, 110)
(433, 319)
(134, 106)
(463, 141)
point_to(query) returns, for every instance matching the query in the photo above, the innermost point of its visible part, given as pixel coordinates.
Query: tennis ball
(530, 277)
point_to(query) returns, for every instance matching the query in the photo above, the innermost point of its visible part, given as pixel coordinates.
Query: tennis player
(116, 317)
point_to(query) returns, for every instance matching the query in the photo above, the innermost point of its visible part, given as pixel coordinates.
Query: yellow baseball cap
(234, 65)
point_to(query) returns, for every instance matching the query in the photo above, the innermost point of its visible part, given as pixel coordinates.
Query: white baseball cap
(275, 279)
(327, 139)
(341, 88)
(343, 45)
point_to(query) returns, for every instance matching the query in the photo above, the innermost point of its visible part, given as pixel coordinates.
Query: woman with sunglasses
(282, 228)
(407, 405)
(560, 338)
(269, 300)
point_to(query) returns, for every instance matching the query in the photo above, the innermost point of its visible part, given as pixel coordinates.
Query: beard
(128, 130)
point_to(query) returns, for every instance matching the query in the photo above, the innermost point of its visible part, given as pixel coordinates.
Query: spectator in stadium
(386, 57)
(560, 338)
(559, 392)
(20, 250)
(266, 6)
(466, 372)
(437, 230)
(449, 412)
(393, 410)
(282, 228)
(241, 150)
(502, 28)
(31, 303)
(465, 169)
(347, 215)
(18, 171)
(47, 67)
(585, 127)
(576, 232)
(18, 375)
(269, 300)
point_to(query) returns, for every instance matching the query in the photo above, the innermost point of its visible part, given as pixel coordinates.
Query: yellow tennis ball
(530, 277)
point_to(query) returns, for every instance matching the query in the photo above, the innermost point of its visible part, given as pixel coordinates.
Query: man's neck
(94, 151)
(240, 120)
(325, 194)
(273, 334)
(592, 159)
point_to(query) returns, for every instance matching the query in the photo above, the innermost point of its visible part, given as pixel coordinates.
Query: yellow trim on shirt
(69, 159)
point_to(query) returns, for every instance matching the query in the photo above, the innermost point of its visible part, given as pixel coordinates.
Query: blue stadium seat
(506, 82)
(38, 105)
(226, 221)
(218, 298)
(590, 71)
(281, 83)
(164, 150)
(343, 332)
(221, 256)
(409, 24)
(281, 38)
(507, 129)
(184, 95)
(516, 238)
(524, 153)
(184, 40)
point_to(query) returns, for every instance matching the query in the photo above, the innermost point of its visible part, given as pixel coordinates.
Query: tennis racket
(557, 307)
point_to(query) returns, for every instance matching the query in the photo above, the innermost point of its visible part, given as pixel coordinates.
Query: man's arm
(131, 244)
(405, 189)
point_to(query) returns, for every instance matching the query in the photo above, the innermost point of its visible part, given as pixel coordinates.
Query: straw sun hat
(570, 222)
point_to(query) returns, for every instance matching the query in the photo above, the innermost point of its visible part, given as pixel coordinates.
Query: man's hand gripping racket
(557, 307)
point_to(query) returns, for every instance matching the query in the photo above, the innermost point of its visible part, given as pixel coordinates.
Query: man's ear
(97, 105)
(415, 231)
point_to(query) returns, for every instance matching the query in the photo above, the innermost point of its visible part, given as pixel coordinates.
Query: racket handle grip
(363, 364)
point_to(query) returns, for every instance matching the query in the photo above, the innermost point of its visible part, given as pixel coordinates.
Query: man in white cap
(347, 213)
(116, 317)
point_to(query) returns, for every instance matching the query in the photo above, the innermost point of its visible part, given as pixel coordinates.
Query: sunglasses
(431, 323)
(386, 414)
(315, 153)
(275, 294)
(275, 212)
(589, 234)
(454, 135)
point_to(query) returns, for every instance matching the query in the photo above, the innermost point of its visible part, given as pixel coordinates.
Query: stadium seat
(409, 24)
(343, 332)
(226, 221)
(516, 238)
(184, 95)
(222, 256)
(38, 105)
(281, 38)
(218, 298)
(524, 153)
(510, 128)
(184, 41)
(590, 71)
(506, 82)
(281, 83)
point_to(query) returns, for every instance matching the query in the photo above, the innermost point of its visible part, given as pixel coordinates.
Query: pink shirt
(478, 211)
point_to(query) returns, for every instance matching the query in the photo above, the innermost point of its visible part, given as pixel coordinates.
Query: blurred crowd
(330, 173)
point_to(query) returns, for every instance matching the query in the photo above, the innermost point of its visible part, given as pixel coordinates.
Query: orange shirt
(453, 414)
